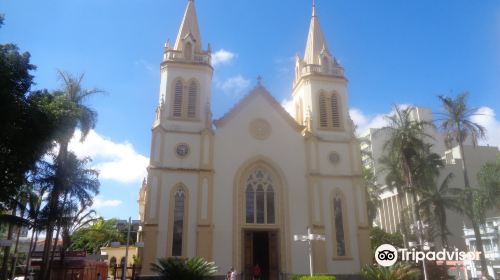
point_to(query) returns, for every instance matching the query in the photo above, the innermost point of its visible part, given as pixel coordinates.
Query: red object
(256, 271)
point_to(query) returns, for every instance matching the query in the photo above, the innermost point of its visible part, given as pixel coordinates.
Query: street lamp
(309, 238)
(117, 244)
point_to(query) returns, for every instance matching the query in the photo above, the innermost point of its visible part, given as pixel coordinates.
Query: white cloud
(234, 86)
(487, 118)
(287, 104)
(115, 161)
(99, 202)
(222, 57)
(364, 122)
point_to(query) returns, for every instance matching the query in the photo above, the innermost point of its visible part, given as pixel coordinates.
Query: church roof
(189, 28)
(315, 41)
(259, 90)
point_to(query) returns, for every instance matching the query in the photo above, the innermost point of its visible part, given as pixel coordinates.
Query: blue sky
(394, 52)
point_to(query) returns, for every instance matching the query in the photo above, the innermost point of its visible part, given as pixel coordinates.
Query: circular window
(334, 157)
(260, 129)
(182, 150)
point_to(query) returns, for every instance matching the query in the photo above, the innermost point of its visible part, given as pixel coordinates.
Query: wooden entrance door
(261, 247)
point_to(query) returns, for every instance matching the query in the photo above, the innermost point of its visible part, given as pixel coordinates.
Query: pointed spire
(315, 40)
(189, 28)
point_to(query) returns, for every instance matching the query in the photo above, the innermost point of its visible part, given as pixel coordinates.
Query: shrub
(184, 269)
(319, 277)
(399, 271)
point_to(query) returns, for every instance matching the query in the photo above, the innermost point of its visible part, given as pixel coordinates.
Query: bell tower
(180, 172)
(320, 87)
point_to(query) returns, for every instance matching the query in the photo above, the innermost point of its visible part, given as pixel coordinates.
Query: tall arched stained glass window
(260, 198)
(250, 198)
(178, 228)
(338, 222)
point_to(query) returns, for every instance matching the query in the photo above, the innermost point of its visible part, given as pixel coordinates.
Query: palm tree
(184, 269)
(458, 127)
(406, 139)
(77, 217)
(438, 200)
(399, 271)
(95, 235)
(394, 180)
(81, 116)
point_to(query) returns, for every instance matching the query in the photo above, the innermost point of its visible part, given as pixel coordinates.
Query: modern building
(236, 190)
(391, 210)
(491, 243)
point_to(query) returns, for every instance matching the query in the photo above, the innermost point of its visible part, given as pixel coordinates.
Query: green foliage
(319, 277)
(99, 234)
(184, 269)
(373, 191)
(379, 237)
(399, 271)
(489, 182)
(26, 127)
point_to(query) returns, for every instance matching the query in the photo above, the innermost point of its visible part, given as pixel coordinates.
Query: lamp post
(425, 246)
(124, 274)
(309, 238)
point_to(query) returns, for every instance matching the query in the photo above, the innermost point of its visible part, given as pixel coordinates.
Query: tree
(438, 200)
(399, 271)
(27, 125)
(184, 269)
(82, 117)
(457, 127)
(489, 181)
(406, 140)
(96, 235)
(378, 237)
(373, 191)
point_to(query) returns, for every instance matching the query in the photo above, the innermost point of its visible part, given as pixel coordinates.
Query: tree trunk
(475, 224)
(6, 253)
(404, 223)
(28, 257)
(14, 260)
(53, 205)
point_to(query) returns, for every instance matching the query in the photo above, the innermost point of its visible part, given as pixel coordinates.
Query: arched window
(178, 228)
(192, 99)
(249, 199)
(177, 104)
(339, 225)
(260, 198)
(335, 111)
(188, 51)
(323, 114)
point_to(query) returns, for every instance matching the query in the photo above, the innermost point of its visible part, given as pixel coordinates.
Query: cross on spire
(259, 80)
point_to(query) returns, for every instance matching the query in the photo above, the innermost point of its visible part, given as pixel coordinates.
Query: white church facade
(235, 190)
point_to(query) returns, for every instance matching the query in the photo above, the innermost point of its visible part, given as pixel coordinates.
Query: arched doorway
(260, 220)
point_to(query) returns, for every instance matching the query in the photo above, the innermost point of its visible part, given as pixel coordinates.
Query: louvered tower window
(335, 111)
(177, 104)
(323, 114)
(192, 99)
(329, 111)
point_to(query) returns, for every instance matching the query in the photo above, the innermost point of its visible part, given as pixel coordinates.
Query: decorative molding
(260, 129)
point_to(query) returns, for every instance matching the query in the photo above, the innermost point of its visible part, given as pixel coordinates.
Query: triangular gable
(259, 90)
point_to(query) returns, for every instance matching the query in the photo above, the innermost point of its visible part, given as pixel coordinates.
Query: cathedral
(236, 190)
